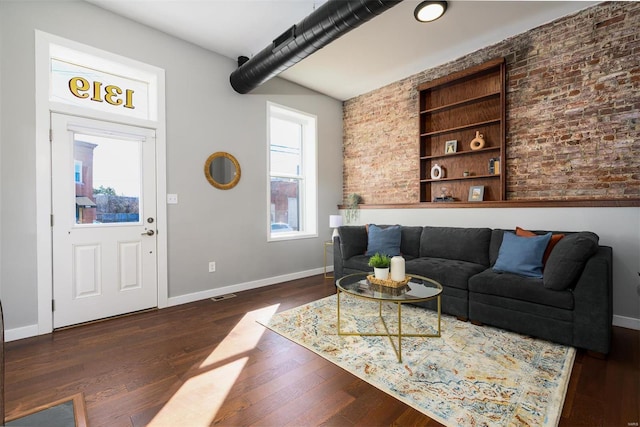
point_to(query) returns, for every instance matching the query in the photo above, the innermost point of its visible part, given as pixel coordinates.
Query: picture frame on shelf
(451, 147)
(476, 193)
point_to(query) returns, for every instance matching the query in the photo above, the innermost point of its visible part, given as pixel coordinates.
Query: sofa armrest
(351, 241)
(593, 297)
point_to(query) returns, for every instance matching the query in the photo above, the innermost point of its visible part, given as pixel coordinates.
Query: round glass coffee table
(418, 289)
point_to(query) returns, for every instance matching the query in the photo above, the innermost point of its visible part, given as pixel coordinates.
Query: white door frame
(44, 107)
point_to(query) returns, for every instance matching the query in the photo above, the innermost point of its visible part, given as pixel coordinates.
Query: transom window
(292, 173)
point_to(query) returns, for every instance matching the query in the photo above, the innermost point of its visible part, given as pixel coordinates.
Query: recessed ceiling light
(428, 11)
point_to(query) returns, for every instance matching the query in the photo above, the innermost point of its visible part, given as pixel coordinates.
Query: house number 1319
(81, 88)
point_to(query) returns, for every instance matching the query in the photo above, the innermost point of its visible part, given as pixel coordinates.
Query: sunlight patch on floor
(198, 400)
(244, 337)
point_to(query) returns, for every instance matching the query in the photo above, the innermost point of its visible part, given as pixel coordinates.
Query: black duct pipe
(324, 25)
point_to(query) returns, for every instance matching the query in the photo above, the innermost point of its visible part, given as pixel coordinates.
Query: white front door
(104, 219)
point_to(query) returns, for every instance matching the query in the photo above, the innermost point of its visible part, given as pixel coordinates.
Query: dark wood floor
(210, 363)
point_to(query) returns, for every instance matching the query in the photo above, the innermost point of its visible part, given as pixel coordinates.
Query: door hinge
(51, 219)
(53, 305)
(50, 135)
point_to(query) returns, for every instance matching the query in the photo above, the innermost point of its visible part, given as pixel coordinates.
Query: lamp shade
(335, 221)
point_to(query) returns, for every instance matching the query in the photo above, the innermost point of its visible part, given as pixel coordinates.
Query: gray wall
(204, 115)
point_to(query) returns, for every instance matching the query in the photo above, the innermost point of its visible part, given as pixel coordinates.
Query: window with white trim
(292, 167)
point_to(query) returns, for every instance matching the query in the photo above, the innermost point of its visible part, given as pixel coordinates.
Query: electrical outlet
(212, 266)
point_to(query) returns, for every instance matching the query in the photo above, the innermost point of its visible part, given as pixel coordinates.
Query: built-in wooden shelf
(455, 108)
(459, 178)
(460, 153)
(466, 126)
(462, 102)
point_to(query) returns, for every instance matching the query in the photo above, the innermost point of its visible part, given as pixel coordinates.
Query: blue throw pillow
(384, 240)
(522, 255)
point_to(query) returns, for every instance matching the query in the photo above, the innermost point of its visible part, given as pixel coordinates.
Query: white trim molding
(626, 322)
(211, 293)
(44, 107)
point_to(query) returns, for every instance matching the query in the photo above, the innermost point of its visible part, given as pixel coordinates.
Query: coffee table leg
(400, 332)
(338, 296)
(439, 332)
(388, 334)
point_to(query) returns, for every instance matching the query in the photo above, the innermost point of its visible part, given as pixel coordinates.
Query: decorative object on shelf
(466, 173)
(494, 166)
(451, 146)
(476, 193)
(351, 210)
(444, 199)
(397, 269)
(380, 264)
(437, 172)
(478, 142)
(445, 195)
(335, 221)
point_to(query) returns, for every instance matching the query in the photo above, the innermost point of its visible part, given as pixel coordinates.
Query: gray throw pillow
(567, 260)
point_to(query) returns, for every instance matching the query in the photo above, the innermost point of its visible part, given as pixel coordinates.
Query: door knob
(149, 233)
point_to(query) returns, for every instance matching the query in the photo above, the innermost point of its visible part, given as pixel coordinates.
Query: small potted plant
(380, 264)
(351, 207)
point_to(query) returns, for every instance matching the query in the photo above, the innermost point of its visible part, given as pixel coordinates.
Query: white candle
(397, 269)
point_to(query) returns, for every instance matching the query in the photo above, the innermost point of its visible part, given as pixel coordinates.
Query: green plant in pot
(351, 207)
(380, 263)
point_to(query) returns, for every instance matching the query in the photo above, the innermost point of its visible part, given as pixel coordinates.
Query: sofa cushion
(522, 255)
(449, 273)
(353, 240)
(410, 242)
(494, 246)
(510, 285)
(464, 244)
(567, 260)
(358, 262)
(555, 238)
(384, 240)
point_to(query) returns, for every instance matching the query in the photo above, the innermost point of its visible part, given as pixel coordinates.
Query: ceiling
(386, 49)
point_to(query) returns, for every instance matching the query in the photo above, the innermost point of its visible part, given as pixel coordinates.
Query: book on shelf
(494, 166)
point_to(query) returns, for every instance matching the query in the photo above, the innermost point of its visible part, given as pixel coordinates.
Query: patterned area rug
(471, 376)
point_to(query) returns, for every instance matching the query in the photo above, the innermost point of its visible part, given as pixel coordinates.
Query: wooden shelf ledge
(595, 203)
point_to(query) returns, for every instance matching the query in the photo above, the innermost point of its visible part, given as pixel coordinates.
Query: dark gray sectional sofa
(571, 304)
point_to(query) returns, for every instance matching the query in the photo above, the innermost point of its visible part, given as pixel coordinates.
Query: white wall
(617, 227)
(204, 115)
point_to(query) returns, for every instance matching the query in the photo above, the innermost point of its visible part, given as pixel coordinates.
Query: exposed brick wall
(573, 115)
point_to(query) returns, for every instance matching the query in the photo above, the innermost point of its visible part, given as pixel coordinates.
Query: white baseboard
(210, 293)
(20, 333)
(626, 322)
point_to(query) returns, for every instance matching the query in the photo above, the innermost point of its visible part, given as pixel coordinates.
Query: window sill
(291, 236)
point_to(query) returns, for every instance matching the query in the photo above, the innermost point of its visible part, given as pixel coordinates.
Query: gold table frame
(399, 335)
(326, 274)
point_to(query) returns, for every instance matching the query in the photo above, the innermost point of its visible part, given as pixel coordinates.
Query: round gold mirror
(222, 170)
